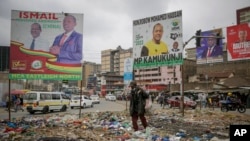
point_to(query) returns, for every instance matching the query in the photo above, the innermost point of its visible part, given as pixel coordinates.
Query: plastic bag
(148, 107)
(148, 103)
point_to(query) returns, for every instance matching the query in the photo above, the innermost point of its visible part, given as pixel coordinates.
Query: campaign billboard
(157, 40)
(46, 45)
(211, 47)
(238, 42)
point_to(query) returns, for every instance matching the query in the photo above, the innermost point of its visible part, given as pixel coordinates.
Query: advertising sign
(128, 70)
(211, 49)
(46, 45)
(157, 40)
(238, 42)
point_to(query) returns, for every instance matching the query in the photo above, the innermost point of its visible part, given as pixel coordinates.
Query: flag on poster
(211, 49)
(157, 40)
(46, 45)
(238, 42)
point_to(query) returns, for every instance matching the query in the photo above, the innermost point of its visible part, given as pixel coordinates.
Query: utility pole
(197, 37)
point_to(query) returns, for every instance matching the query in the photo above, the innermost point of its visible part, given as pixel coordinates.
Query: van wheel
(31, 112)
(72, 107)
(64, 108)
(45, 110)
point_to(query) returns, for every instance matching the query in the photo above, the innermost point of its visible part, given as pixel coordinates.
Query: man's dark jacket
(138, 101)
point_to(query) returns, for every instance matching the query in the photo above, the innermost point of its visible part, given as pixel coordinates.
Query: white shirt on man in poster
(39, 44)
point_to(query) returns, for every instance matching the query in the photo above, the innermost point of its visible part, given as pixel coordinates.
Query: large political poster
(238, 42)
(157, 40)
(46, 45)
(211, 47)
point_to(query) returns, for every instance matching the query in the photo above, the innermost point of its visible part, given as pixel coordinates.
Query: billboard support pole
(9, 101)
(80, 101)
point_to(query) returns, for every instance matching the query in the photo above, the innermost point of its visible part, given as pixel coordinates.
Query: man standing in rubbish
(137, 105)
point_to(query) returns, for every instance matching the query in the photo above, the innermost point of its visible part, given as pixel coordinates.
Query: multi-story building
(111, 82)
(158, 78)
(112, 60)
(89, 69)
(243, 15)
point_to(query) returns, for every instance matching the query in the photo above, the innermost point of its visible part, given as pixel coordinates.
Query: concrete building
(243, 15)
(112, 60)
(158, 78)
(112, 69)
(89, 69)
(111, 82)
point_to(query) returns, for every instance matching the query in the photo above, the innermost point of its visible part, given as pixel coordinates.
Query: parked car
(174, 101)
(85, 101)
(95, 99)
(110, 97)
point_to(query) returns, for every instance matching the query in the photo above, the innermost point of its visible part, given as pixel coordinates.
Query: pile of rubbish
(164, 125)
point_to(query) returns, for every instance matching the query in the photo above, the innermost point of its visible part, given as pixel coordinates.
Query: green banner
(46, 76)
(158, 61)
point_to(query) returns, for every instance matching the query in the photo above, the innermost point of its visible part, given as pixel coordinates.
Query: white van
(45, 101)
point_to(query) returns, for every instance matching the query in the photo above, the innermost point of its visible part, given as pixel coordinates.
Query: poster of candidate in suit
(46, 45)
(211, 49)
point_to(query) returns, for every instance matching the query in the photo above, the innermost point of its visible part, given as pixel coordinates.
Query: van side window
(42, 96)
(30, 96)
(48, 96)
(55, 96)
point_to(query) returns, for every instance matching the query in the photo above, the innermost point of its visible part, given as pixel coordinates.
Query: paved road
(102, 107)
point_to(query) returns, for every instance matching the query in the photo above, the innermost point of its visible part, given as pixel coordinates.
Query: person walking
(18, 104)
(137, 105)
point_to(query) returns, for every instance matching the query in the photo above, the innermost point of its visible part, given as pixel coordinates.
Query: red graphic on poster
(238, 42)
(37, 62)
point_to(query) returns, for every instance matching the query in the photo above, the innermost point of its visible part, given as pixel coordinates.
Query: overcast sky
(108, 23)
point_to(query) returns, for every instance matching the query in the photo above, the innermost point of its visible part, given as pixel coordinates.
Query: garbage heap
(164, 125)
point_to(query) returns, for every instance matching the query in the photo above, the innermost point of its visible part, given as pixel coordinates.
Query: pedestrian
(18, 104)
(161, 99)
(152, 97)
(137, 105)
(203, 100)
(165, 99)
